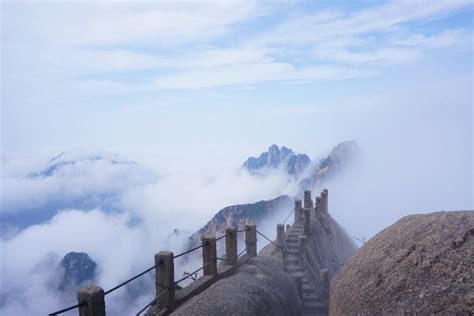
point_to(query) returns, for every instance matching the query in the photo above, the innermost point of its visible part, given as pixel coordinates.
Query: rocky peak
(276, 158)
(340, 157)
(76, 268)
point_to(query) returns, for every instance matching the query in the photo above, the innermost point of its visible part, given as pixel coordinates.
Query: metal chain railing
(151, 303)
(127, 281)
(276, 245)
(146, 271)
(314, 273)
(84, 303)
(191, 273)
(241, 253)
(289, 214)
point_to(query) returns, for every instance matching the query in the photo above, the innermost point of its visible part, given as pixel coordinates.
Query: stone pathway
(313, 303)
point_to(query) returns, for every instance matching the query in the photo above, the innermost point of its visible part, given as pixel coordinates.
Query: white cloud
(84, 180)
(185, 200)
(190, 45)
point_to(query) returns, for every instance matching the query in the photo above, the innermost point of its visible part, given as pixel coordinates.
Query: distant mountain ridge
(275, 158)
(70, 159)
(75, 179)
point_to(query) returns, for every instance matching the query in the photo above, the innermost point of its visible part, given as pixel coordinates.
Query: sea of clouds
(121, 214)
(119, 211)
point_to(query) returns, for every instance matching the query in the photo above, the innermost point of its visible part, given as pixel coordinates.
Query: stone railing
(296, 253)
(91, 298)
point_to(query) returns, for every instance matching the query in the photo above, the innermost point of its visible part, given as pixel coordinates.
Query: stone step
(308, 287)
(296, 232)
(292, 270)
(311, 297)
(291, 260)
(318, 307)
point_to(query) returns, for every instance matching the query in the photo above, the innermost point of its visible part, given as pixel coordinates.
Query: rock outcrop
(75, 269)
(239, 215)
(259, 287)
(421, 265)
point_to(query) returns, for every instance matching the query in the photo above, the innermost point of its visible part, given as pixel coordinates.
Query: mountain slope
(239, 215)
(341, 157)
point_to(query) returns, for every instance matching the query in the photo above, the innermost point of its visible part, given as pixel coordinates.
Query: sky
(189, 90)
(196, 76)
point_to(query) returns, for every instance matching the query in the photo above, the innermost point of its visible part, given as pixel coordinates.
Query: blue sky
(231, 75)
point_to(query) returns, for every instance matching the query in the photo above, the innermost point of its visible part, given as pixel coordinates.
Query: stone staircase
(313, 299)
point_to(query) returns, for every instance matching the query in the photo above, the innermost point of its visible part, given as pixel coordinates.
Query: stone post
(164, 267)
(306, 217)
(231, 246)
(298, 209)
(308, 202)
(94, 298)
(299, 284)
(324, 277)
(280, 234)
(318, 205)
(326, 200)
(288, 227)
(301, 249)
(251, 239)
(209, 254)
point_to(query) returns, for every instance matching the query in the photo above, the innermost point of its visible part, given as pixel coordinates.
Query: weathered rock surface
(240, 215)
(329, 246)
(259, 287)
(421, 265)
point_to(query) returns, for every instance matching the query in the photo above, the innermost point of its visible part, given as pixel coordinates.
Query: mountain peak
(275, 158)
(76, 269)
(339, 159)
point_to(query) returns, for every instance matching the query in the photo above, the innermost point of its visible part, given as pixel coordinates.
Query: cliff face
(421, 265)
(329, 246)
(239, 215)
